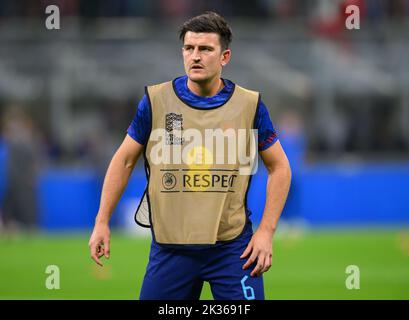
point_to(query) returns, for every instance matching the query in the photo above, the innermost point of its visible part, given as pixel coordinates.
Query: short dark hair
(208, 22)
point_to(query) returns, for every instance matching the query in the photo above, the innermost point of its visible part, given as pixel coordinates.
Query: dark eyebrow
(206, 47)
(200, 46)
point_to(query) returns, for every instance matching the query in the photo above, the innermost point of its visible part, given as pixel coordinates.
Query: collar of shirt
(187, 96)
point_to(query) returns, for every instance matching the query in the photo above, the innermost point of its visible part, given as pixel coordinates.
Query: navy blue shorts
(178, 274)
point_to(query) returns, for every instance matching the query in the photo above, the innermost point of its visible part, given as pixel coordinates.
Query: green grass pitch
(306, 265)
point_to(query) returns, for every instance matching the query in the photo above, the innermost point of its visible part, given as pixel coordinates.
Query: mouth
(196, 67)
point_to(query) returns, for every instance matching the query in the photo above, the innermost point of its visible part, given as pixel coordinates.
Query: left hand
(261, 248)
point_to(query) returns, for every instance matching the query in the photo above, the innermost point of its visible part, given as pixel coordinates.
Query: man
(196, 194)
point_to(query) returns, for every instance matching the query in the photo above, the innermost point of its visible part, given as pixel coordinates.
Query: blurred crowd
(168, 9)
(25, 155)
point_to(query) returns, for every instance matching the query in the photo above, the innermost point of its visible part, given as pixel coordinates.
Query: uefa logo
(168, 181)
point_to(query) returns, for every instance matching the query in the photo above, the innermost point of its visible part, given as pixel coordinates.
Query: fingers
(247, 251)
(260, 248)
(259, 266)
(99, 249)
(264, 262)
(99, 243)
(95, 253)
(267, 263)
(106, 248)
(250, 260)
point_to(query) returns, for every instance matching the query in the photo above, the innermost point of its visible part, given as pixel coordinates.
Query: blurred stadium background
(339, 100)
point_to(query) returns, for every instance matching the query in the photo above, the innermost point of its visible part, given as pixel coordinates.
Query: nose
(196, 55)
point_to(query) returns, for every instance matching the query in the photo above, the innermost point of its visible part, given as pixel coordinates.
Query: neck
(205, 89)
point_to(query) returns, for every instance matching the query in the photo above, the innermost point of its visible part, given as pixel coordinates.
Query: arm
(116, 179)
(278, 184)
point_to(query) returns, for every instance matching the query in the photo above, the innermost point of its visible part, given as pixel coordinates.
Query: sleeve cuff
(263, 145)
(132, 134)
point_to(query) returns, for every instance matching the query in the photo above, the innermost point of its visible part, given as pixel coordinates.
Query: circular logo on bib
(168, 181)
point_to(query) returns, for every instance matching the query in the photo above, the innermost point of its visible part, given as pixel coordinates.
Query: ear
(226, 55)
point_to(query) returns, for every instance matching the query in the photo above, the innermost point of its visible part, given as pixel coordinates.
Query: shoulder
(255, 95)
(252, 97)
(144, 104)
(155, 88)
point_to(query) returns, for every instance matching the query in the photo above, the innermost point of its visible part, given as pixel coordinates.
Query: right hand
(99, 243)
